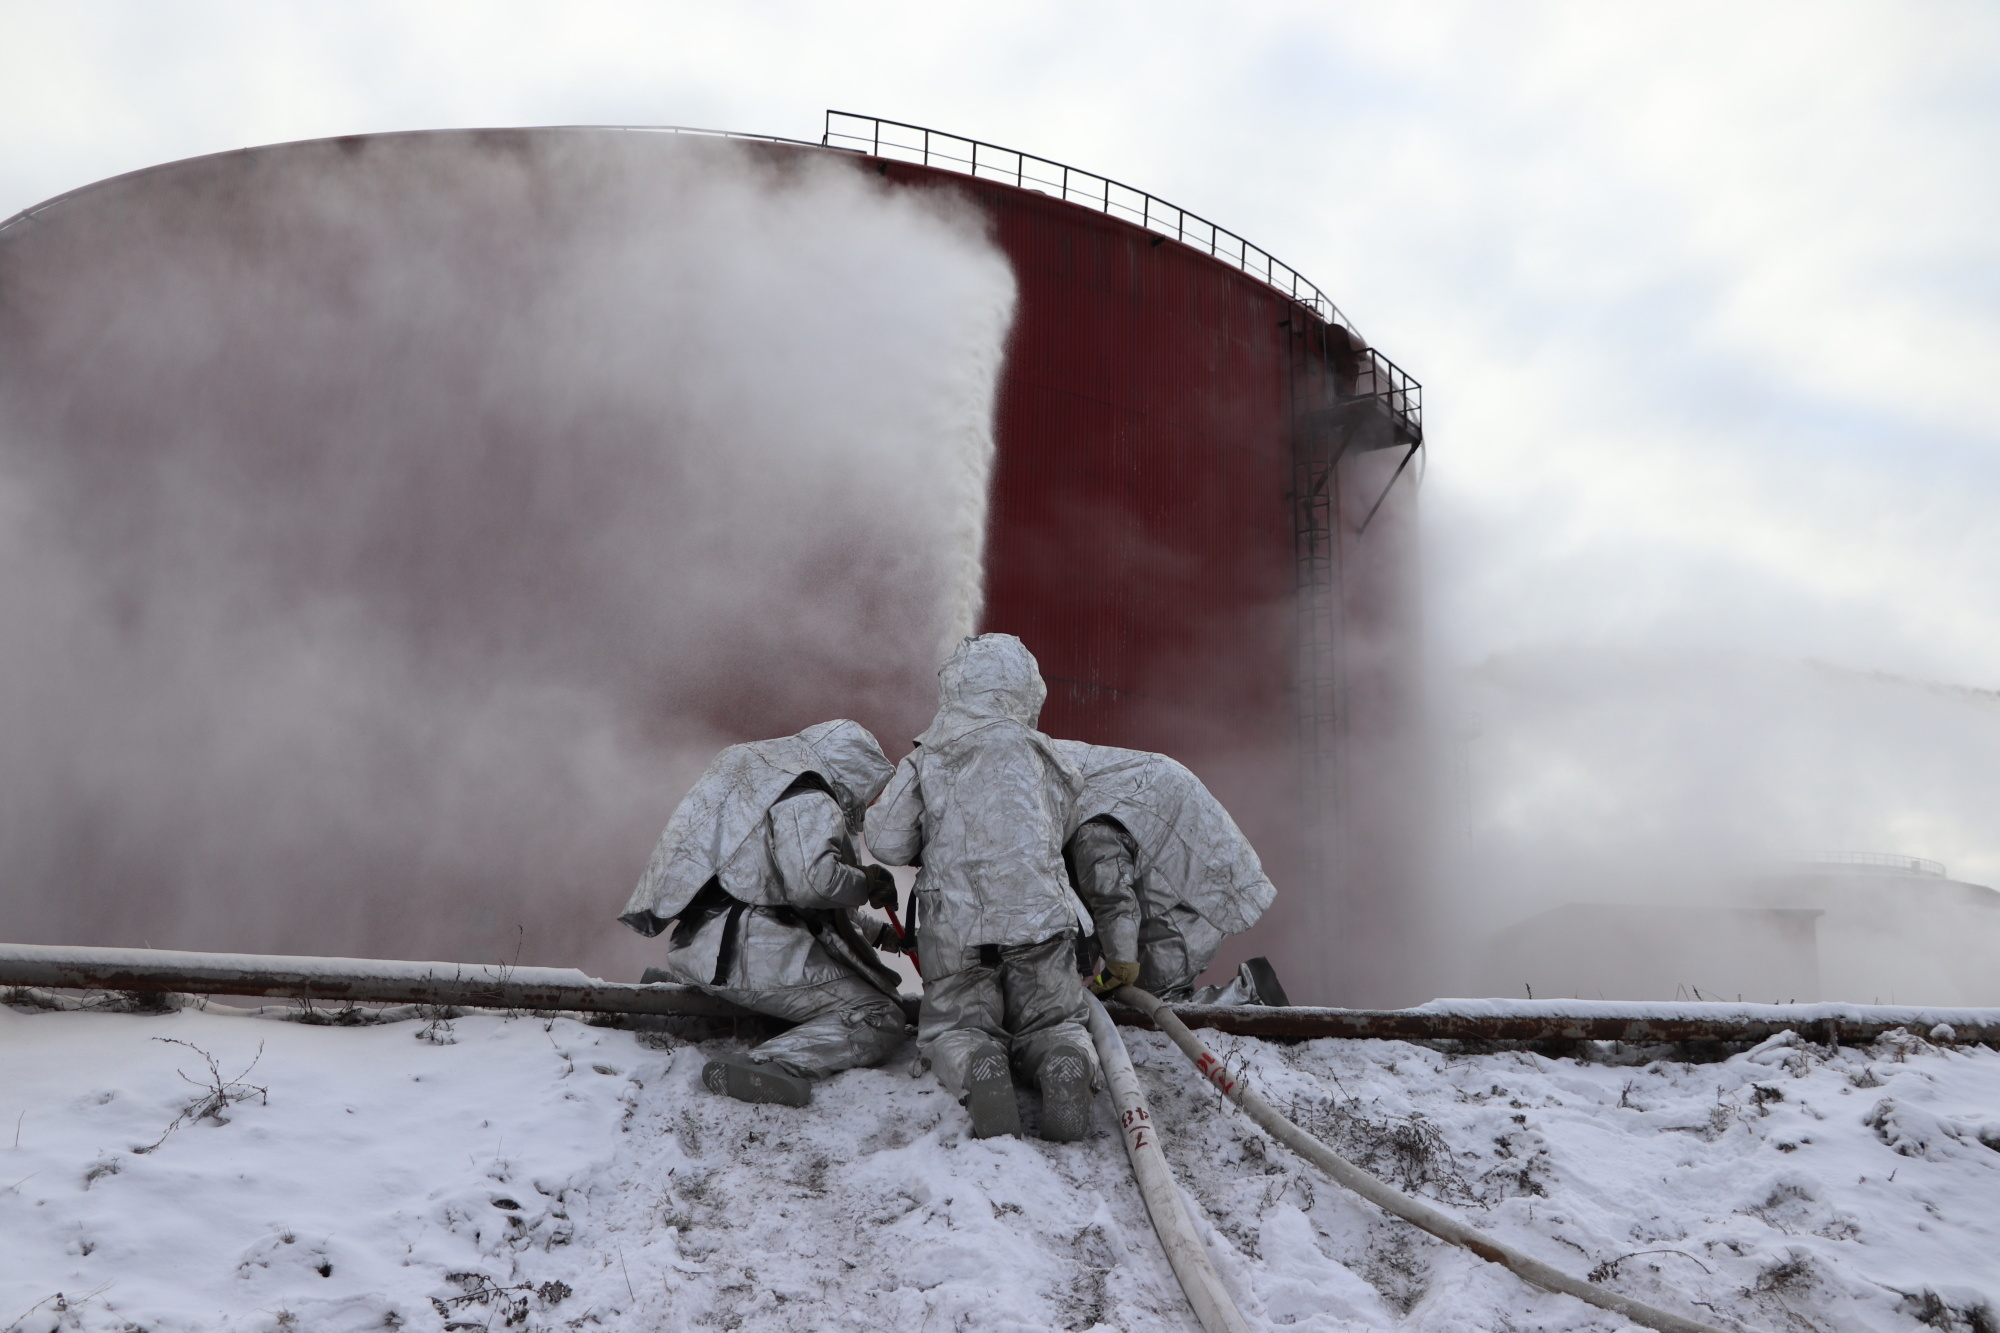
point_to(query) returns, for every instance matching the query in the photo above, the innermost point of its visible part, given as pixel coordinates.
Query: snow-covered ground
(536, 1175)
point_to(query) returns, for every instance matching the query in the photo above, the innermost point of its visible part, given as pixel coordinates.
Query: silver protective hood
(989, 678)
(727, 806)
(1187, 843)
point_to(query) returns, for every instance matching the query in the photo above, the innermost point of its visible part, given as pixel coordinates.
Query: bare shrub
(217, 1094)
(1407, 1150)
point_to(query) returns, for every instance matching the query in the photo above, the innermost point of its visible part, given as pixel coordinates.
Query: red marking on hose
(1211, 1069)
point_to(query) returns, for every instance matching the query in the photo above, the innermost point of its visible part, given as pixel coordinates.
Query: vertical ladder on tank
(1346, 399)
(1315, 510)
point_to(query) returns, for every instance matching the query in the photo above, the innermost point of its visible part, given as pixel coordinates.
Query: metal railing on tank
(1369, 374)
(1379, 377)
(934, 148)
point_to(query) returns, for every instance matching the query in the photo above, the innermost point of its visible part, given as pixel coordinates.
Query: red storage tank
(1199, 520)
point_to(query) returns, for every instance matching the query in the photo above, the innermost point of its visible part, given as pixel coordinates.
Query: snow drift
(544, 1175)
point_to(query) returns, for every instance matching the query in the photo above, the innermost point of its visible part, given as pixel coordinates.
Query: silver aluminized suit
(756, 871)
(1164, 870)
(983, 806)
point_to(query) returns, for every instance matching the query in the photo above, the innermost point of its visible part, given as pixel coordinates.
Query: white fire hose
(1185, 1255)
(1343, 1172)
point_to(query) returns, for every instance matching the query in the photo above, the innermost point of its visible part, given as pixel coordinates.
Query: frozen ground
(540, 1175)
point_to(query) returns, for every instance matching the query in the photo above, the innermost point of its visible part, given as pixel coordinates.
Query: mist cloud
(392, 530)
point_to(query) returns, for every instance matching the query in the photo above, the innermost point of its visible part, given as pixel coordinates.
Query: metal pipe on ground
(1389, 1199)
(498, 986)
(1212, 1305)
(348, 980)
(1637, 1022)
(355, 981)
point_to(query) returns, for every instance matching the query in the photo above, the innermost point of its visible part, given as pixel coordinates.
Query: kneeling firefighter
(1167, 876)
(757, 875)
(982, 805)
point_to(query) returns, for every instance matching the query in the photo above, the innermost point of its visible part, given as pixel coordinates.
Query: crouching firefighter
(757, 875)
(1167, 876)
(982, 806)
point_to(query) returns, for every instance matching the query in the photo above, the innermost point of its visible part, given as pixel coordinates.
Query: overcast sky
(1705, 296)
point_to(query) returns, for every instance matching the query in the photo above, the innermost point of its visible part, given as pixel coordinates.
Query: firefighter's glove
(1113, 976)
(881, 887)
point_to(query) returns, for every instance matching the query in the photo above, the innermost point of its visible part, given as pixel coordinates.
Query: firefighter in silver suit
(983, 806)
(757, 875)
(1167, 877)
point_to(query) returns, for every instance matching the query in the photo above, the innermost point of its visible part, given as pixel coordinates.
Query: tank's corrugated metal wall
(1140, 537)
